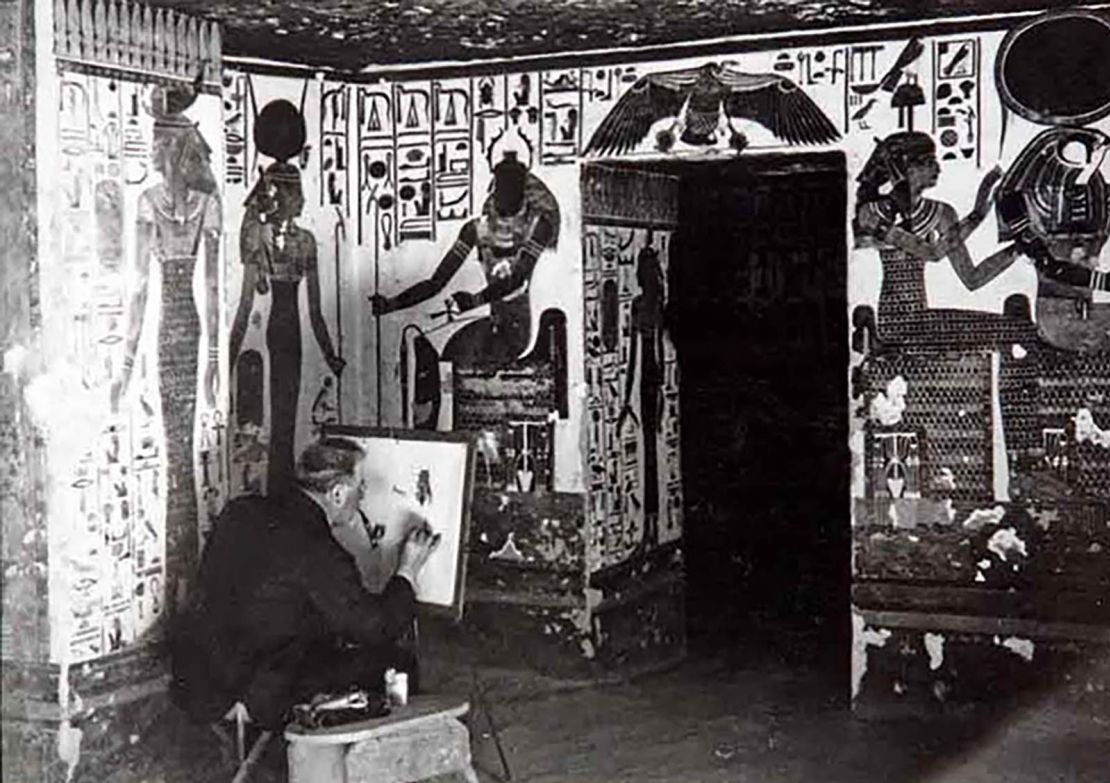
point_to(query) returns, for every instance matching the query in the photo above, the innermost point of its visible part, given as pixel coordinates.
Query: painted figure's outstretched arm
(315, 313)
(212, 302)
(136, 307)
(254, 252)
(975, 276)
(950, 244)
(243, 311)
(630, 370)
(426, 289)
(877, 219)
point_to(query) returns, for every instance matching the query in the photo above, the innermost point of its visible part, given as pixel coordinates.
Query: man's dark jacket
(277, 597)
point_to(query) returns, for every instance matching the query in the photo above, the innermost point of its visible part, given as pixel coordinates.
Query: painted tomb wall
(978, 299)
(131, 240)
(417, 254)
(946, 291)
(978, 353)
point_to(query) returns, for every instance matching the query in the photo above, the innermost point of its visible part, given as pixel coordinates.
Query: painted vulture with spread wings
(698, 97)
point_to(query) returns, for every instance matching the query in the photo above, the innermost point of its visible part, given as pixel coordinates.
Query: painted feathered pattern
(698, 97)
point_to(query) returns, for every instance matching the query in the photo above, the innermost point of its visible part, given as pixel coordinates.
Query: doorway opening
(757, 310)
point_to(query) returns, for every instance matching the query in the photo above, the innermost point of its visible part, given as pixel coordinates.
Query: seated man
(280, 613)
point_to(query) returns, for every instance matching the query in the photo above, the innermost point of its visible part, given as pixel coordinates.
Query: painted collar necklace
(193, 204)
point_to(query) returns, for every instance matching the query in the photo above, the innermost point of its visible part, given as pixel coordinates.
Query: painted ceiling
(352, 35)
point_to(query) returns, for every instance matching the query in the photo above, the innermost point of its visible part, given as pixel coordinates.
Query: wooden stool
(420, 740)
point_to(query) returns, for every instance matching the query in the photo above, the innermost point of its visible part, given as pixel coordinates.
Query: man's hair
(327, 462)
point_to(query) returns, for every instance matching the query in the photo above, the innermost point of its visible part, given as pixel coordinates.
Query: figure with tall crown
(178, 226)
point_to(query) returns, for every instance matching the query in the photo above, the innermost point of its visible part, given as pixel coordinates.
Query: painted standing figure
(646, 347)
(277, 255)
(178, 219)
(519, 221)
(910, 230)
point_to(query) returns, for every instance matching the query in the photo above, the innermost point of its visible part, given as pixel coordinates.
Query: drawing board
(407, 475)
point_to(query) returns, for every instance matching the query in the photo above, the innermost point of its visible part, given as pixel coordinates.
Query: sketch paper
(406, 480)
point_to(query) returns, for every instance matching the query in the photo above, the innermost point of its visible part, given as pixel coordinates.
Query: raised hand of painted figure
(894, 210)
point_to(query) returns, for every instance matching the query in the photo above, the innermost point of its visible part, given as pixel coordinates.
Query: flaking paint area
(546, 530)
(1003, 545)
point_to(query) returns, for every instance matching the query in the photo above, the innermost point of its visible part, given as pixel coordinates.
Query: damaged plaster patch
(981, 566)
(856, 448)
(887, 408)
(1005, 542)
(13, 360)
(1087, 430)
(934, 645)
(508, 551)
(1044, 518)
(69, 747)
(981, 517)
(70, 702)
(583, 623)
(945, 479)
(862, 638)
(60, 401)
(1018, 646)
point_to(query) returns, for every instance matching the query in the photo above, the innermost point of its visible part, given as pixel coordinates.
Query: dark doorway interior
(758, 314)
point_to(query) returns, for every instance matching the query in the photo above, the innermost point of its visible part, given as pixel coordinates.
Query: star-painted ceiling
(352, 35)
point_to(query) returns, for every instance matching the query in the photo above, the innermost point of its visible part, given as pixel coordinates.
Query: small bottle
(400, 696)
(397, 687)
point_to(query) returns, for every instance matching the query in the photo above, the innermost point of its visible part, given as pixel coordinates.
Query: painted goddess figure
(178, 224)
(519, 220)
(911, 230)
(277, 255)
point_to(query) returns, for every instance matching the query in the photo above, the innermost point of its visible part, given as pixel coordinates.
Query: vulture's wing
(778, 104)
(649, 100)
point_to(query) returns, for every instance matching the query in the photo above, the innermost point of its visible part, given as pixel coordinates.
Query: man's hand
(418, 546)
